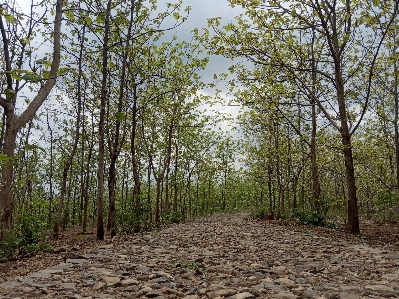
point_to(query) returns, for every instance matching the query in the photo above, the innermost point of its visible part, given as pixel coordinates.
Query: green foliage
(26, 237)
(259, 213)
(133, 219)
(280, 215)
(387, 207)
(310, 217)
(173, 217)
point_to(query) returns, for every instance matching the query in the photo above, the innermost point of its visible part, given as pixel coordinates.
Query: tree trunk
(101, 133)
(353, 216)
(6, 200)
(315, 174)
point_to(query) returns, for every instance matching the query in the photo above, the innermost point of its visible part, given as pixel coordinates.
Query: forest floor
(220, 256)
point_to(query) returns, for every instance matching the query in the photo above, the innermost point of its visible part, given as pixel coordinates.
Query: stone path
(221, 256)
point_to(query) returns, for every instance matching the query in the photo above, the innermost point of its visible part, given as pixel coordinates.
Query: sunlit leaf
(9, 18)
(88, 20)
(62, 71)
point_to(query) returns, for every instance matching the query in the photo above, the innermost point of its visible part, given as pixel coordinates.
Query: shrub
(26, 237)
(132, 220)
(310, 217)
(259, 213)
(173, 217)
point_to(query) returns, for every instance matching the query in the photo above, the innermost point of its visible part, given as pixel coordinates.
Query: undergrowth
(27, 236)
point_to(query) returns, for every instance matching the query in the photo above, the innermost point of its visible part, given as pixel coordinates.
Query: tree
(15, 74)
(273, 33)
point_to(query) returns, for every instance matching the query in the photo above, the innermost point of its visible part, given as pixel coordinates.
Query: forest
(108, 126)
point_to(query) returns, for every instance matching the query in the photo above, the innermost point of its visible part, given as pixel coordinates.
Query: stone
(76, 260)
(349, 295)
(129, 282)
(110, 279)
(225, 292)
(154, 294)
(245, 295)
(286, 282)
(285, 295)
(270, 286)
(382, 290)
(99, 286)
(68, 285)
(216, 257)
(311, 294)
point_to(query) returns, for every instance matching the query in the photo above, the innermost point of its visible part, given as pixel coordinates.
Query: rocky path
(223, 256)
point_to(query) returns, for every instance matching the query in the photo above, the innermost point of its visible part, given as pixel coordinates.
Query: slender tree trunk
(313, 159)
(101, 145)
(175, 194)
(353, 216)
(50, 182)
(133, 150)
(6, 200)
(270, 190)
(396, 116)
(149, 193)
(86, 189)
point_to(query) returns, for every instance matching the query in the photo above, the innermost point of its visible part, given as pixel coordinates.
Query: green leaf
(120, 116)
(47, 63)
(88, 20)
(9, 93)
(346, 38)
(16, 76)
(4, 158)
(30, 147)
(31, 77)
(70, 15)
(137, 7)
(9, 18)
(376, 2)
(62, 71)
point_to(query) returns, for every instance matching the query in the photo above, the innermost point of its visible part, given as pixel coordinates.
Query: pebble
(217, 257)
